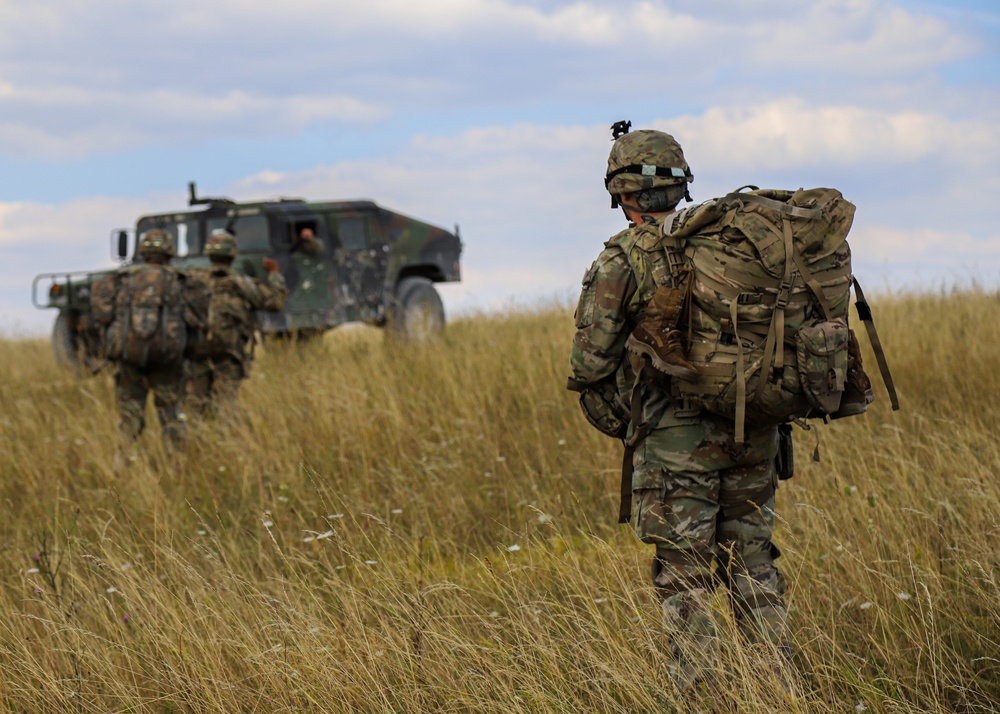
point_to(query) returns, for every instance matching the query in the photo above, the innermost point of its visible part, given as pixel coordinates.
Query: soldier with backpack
(151, 312)
(221, 360)
(701, 333)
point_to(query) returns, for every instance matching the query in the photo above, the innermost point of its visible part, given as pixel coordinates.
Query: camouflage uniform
(134, 382)
(132, 387)
(214, 373)
(690, 484)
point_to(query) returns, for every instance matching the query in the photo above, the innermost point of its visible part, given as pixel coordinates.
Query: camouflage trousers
(132, 387)
(213, 384)
(693, 497)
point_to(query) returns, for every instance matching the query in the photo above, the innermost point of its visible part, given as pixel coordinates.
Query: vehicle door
(304, 258)
(360, 256)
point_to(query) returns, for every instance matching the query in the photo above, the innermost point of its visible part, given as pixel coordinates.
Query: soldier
(308, 243)
(221, 360)
(705, 505)
(151, 312)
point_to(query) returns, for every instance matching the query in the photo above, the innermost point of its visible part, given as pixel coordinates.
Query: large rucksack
(229, 323)
(148, 310)
(769, 274)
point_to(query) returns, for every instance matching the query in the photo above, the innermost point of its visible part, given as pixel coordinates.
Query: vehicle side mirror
(122, 245)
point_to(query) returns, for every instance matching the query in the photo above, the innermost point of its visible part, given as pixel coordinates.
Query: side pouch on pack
(602, 406)
(102, 299)
(821, 353)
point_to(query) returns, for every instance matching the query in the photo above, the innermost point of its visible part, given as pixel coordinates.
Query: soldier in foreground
(221, 360)
(151, 312)
(697, 497)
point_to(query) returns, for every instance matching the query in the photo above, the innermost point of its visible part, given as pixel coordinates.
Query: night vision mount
(620, 128)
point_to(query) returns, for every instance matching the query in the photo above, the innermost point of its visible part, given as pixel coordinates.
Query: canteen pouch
(821, 353)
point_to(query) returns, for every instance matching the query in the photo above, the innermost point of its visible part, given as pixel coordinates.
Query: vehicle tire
(417, 313)
(70, 349)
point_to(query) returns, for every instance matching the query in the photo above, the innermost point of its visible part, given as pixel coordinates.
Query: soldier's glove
(271, 265)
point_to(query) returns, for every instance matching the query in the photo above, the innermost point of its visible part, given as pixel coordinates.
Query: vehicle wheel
(72, 350)
(417, 312)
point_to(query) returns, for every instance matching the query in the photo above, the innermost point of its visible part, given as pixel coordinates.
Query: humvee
(376, 267)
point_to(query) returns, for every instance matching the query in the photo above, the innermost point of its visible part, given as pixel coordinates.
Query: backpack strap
(778, 206)
(741, 378)
(865, 313)
(164, 297)
(773, 360)
(127, 323)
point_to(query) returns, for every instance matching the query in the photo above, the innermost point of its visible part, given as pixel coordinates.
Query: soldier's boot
(858, 392)
(684, 583)
(657, 336)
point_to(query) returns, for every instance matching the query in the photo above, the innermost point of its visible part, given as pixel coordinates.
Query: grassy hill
(433, 529)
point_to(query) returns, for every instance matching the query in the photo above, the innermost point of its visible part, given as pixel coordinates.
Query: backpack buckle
(784, 291)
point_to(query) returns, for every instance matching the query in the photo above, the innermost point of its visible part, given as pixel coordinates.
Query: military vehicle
(376, 266)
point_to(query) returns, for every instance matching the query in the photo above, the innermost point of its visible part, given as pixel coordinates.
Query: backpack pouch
(821, 354)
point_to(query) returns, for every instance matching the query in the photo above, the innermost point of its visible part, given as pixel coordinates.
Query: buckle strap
(865, 313)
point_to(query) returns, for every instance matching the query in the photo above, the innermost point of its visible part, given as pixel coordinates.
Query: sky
(495, 115)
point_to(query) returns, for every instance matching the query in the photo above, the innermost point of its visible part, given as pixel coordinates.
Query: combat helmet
(645, 159)
(156, 243)
(221, 245)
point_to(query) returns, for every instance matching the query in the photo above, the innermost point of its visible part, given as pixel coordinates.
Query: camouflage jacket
(616, 290)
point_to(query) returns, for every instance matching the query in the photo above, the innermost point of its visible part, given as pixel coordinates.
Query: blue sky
(494, 114)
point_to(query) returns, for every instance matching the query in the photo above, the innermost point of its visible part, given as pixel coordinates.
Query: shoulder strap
(865, 313)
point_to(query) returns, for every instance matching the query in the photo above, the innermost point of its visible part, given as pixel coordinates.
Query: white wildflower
(513, 548)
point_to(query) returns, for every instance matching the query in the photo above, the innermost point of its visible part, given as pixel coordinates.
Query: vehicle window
(184, 233)
(352, 233)
(250, 231)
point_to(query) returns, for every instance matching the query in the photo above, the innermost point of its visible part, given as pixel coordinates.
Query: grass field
(433, 529)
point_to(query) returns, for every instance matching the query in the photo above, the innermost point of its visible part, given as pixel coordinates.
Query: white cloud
(114, 120)
(112, 76)
(788, 133)
(941, 248)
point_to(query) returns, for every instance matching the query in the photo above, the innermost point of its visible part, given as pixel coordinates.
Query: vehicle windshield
(250, 231)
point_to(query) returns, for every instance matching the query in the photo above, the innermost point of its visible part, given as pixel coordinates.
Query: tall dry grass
(431, 528)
